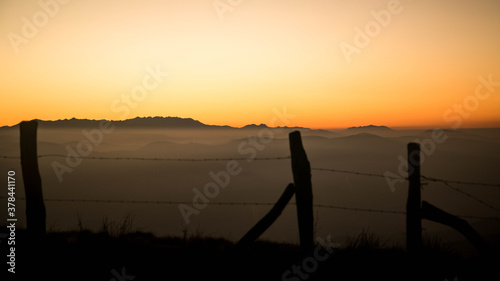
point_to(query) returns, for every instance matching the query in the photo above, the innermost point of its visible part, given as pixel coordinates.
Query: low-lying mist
(465, 155)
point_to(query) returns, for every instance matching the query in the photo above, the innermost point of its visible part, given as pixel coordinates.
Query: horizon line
(255, 124)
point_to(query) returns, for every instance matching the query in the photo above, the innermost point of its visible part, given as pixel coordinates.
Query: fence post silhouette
(268, 219)
(413, 216)
(35, 207)
(435, 214)
(301, 170)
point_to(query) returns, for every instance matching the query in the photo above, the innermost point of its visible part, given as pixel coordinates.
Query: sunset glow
(234, 68)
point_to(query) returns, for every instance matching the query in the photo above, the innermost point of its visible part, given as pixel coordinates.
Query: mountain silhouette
(138, 122)
(369, 128)
(158, 123)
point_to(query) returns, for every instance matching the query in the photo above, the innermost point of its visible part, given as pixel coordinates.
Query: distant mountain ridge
(152, 122)
(143, 122)
(370, 127)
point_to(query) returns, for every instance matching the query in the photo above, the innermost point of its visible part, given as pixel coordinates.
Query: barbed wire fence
(357, 173)
(254, 159)
(155, 158)
(158, 202)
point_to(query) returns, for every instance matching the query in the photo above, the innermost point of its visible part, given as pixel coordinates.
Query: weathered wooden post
(433, 213)
(413, 216)
(35, 207)
(301, 170)
(268, 219)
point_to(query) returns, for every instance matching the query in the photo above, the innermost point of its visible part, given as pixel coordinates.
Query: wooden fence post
(413, 217)
(35, 207)
(268, 219)
(301, 170)
(433, 213)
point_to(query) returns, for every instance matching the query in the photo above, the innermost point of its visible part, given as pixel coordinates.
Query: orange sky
(262, 55)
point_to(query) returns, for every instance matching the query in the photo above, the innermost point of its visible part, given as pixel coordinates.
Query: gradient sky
(263, 55)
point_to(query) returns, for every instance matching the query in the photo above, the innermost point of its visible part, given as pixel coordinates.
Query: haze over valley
(468, 155)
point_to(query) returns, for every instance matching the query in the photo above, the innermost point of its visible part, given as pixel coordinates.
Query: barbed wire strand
(238, 204)
(358, 173)
(460, 182)
(156, 158)
(402, 178)
(259, 159)
(471, 196)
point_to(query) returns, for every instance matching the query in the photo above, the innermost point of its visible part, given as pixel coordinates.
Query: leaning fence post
(35, 207)
(268, 219)
(413, 216)
(433, 213)
(301, 170)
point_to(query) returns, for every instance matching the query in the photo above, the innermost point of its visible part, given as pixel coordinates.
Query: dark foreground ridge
(84, 255)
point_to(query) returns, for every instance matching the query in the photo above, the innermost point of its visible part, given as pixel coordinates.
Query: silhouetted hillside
(147, 122)
(87, 255)
(369, 128)
(138, 122)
